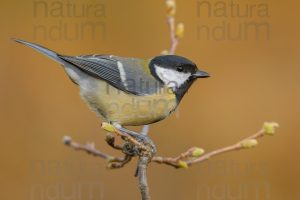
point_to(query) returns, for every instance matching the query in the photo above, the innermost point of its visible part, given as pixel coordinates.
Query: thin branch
(120, 163)
(88, 148)
(174, 39)
(146, 149)
(174, 162)
(142, 176)
(176, 30)
(113, 162)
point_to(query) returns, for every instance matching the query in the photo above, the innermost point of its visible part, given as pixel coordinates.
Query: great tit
(128, 91)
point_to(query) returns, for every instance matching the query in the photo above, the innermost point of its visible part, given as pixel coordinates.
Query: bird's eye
(179, 69)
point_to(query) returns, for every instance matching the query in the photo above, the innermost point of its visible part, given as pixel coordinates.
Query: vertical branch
(174, 39)
(176, 30)
(142, 176)
(145, 157)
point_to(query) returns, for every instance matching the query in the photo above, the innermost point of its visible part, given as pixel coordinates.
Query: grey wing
(126, 74)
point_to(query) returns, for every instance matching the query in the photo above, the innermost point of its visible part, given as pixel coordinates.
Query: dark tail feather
(43, 50)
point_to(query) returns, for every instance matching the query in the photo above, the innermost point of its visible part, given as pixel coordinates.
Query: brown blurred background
(253, 80)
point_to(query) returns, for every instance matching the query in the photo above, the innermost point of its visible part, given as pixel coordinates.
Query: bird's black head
(176, 72)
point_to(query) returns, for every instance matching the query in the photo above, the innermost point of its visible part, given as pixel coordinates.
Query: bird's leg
(137, 136)
(142, 143)
(135, 143)
(145, 130)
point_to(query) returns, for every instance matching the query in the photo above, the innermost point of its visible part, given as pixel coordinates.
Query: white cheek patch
(171, 78)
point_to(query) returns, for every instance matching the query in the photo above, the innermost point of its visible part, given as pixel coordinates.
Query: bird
(128, 91)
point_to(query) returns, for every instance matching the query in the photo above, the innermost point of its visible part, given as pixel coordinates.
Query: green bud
(248, 144)
(171, 8)
(179, 30)
(269, 128)
(182, 164)
(165, 52)
(198, 152)
(108, 127)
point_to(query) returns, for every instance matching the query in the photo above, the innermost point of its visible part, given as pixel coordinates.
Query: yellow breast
(127, 109)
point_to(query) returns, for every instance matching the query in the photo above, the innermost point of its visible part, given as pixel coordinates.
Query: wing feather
(105, 68)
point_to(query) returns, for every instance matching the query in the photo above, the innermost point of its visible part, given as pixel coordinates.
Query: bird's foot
(135, 142)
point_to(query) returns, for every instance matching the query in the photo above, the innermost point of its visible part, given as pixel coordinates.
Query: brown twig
(174, 39)
(88, 148)
(146, 149)
(113, 162)
(188, 158)
(176, 30)
(142, 176)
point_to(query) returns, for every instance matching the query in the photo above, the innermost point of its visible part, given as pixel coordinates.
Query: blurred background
(251, 48)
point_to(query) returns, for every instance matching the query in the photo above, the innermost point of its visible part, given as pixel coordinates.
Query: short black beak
(201, 74)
